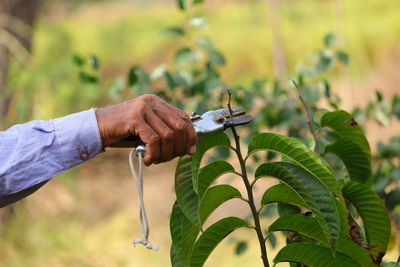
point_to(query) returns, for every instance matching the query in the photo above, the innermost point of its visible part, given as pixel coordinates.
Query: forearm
(34, 152)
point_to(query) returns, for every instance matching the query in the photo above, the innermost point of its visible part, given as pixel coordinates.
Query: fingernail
(192, 150)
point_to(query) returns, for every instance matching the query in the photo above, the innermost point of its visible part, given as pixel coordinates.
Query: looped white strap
(138, 178)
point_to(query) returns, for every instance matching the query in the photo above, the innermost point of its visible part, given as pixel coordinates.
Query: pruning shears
(214, 121)
(210, 122)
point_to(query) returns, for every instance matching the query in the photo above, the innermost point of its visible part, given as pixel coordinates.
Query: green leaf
(205, 43)
(185, 195)
(204, 144)
(330, 40)
(298, 153)
(359, 254)
(138, 80)
(209, 173)
(373, 214)
(181, 4)
(216, 58)
(87, 78)
(183, 235)
(214, 197)
(133, 76)
(324, 62)
(272, 240)
(327, 89)
(241, 248)
(282, 193)
(286, 209)
(116, 88)
(317, 197)
(357, 162)
(309, 227)
(185, 56)
(345, 126)
(171, 82)
(78, 60)
(304, 225)
(313, 256)
(196, 2)
(343, 57)
(212, 237)
(94, 62)
(343, 215)
(173, 31)
(379, 96)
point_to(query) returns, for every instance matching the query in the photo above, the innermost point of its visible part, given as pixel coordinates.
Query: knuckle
(148, 97)
(154, 138)
(180, 125)
(168, 135)
(184, 116)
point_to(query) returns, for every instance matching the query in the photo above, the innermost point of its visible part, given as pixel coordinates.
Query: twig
(309, 120)
(229, 102)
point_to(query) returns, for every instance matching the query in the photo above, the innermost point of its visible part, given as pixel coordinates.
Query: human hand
(166, 130)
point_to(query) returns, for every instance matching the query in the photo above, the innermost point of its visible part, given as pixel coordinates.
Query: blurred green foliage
(127, 34)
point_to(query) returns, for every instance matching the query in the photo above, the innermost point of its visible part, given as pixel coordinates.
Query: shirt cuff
(78, 137)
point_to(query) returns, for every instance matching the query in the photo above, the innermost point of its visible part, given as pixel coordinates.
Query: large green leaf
(282, 193)
(185, 195)
(214, 197)
(346, 127)
(357, 162)
(316, 195)
(212, 237)
(304, 225)
(183, 234)
(359, 254)
(313, 256)
(373, 214)
(204, 144)
(299, 153)
(210, 173)
(309, 227)
(343, 215)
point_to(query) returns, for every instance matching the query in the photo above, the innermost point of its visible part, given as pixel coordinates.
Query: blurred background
(59, 57)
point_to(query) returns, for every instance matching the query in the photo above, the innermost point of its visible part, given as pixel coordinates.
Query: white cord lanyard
(138, 178)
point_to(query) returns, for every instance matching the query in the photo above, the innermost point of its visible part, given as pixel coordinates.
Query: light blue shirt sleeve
(36, 151)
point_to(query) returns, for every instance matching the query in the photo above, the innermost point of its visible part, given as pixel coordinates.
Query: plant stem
(309, 120)
(251, 200)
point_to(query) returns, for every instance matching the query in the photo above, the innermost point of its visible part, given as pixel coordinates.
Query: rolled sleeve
(78, 137)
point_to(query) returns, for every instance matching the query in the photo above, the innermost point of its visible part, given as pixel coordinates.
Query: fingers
(180, 122)
(178, 127)
(152, 141)
(166, 137)
(191, 140)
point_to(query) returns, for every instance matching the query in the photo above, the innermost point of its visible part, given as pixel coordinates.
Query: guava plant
(327, 221)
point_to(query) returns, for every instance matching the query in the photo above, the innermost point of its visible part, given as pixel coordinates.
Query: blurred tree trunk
(16, 21)
(279, 61)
